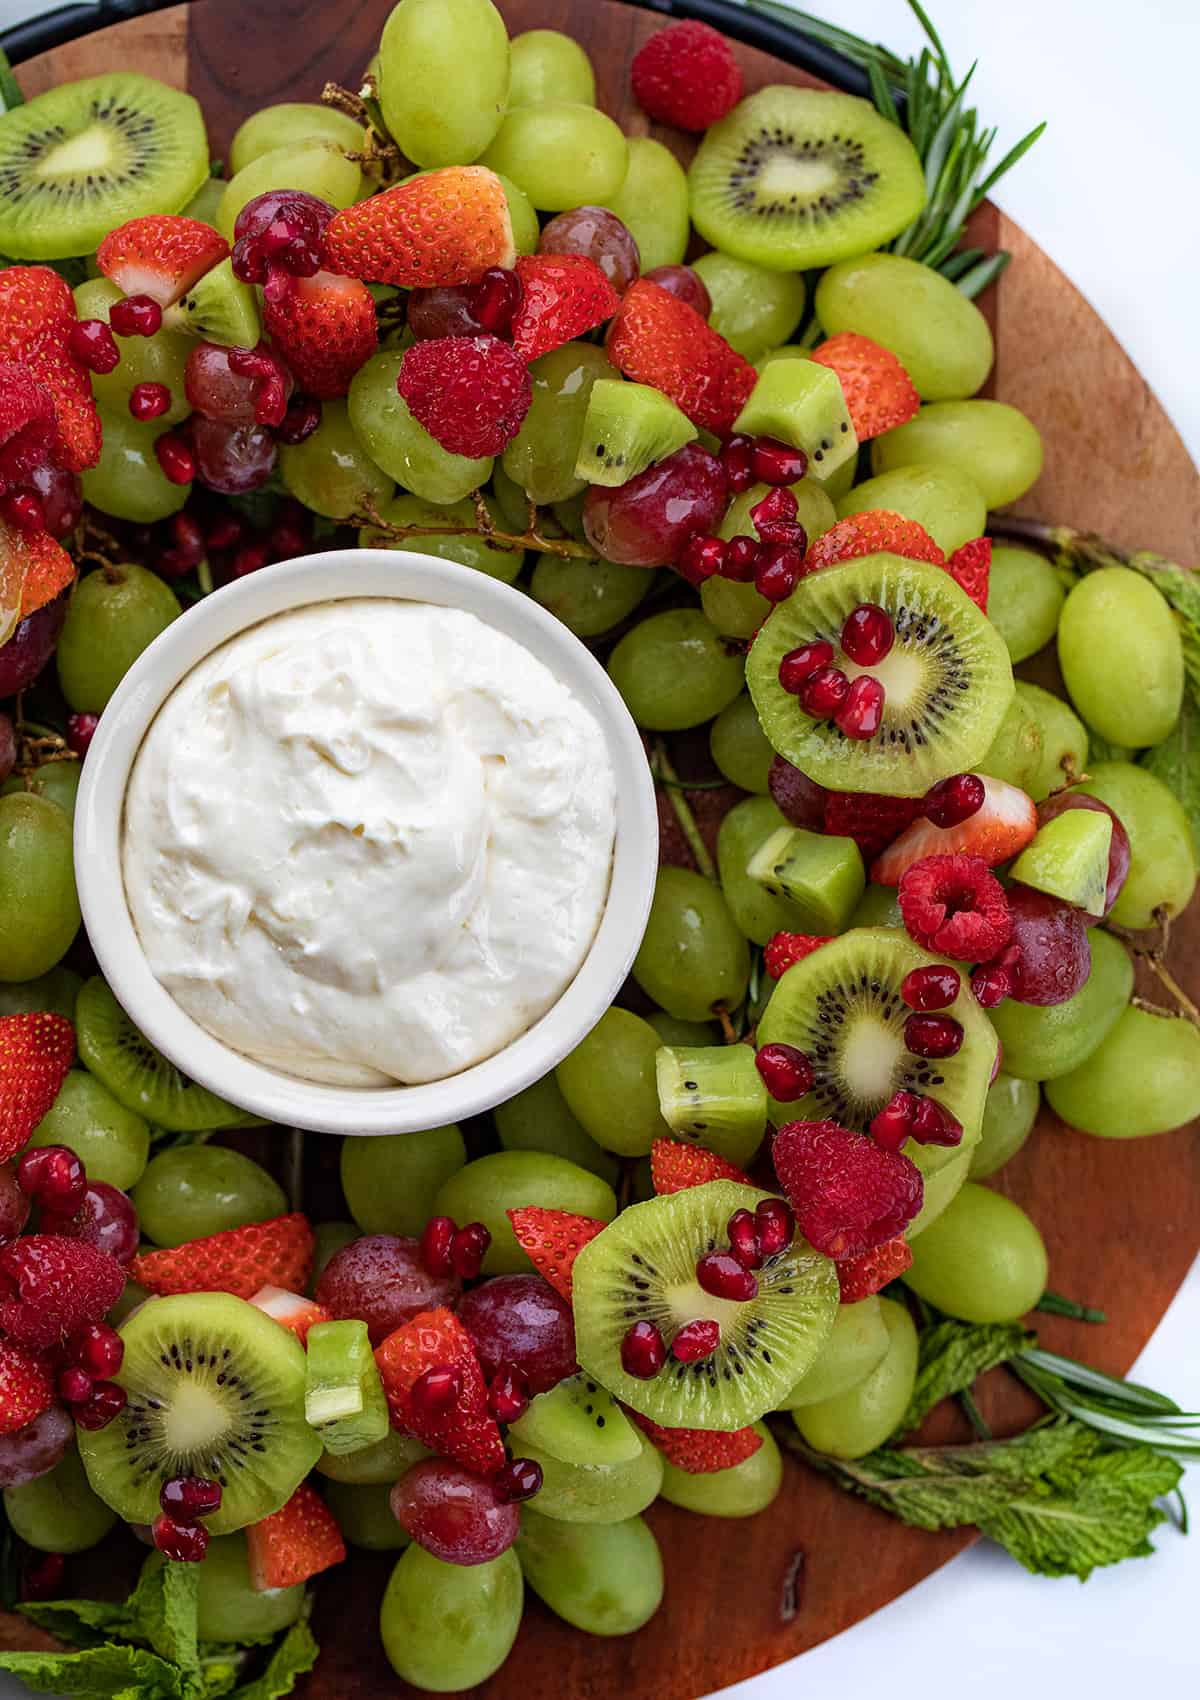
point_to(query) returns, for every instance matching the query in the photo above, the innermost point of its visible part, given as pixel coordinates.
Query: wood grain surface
(1121, 1220)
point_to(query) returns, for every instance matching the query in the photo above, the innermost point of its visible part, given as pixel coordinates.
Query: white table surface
(1109, 193)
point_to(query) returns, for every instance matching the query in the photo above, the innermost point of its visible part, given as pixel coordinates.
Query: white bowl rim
(339, 575)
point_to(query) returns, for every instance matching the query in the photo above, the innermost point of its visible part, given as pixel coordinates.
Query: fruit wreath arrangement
(745, 1215)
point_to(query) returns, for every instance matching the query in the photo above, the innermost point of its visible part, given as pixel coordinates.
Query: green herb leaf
(1176, 761)
(100, 1673)
(81, 1623)
(10, 89)
(294, 1657)
(162, 1609)
(953, 1355)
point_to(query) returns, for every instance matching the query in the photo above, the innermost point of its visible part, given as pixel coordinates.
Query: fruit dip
(369, 841)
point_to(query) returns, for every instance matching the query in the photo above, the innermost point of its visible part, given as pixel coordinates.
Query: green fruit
(191, 1191)
(58, 1512)
(402, 447)
(739, 747)
(692, 956)
(343, 1393)
(219, 307)
(364, 1515)
(505, 1180)
(331, 472)
(1025, 597)
(158, 359)
(111, 1142)
(1162, 854)
(608, 1083)
(604, 1578)
(942, 1185)
(752, 308)
(57, 781)
(589, 597)
(446, 1627)
(1143, 1077)
(374, 1466)
(674, 672)
(866, 1415)
(542, 456)
(983, 1260)
(713, 1096)
(228, 1607)
(1009, 1117)
(390, 1181)
(127, 481)
(444, 72)
(292, 124)
(994, 444)
(652, 203)
(1016, 751)
(115, 614)
(741, 1490)
(820, 874)
(1068, 858)
(471, 549)
(547, 65)
(562, 153)
(39, 906)
(802, 403)
(320, 168)
(597, 1493)
(1122, 657)
(627, 428)
(1064, 741)
(942, 339)
(55, 990)
(540, 1119)
(577, 1422)
(859, 1342)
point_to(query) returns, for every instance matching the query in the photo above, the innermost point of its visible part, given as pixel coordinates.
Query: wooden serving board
(1122, 1220)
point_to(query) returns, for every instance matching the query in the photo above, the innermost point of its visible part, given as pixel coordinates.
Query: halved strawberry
(783, 950)
(970, 567)
(675, 1166)
(996, 832)
(26, 1386)
(859, 1277)
(564, 296)
(45, 568)
(37, 311)
(276, 1253)
(552, 1240)
(36, 1050)
(879, 392)
(867, 534)
(161, 256)
(290, 1310)
(870, 820)
(28, 424)
(447, 226)
(294, 1543)
(325, 327)
(466, 1430)
(658, 339)
(699, 1451)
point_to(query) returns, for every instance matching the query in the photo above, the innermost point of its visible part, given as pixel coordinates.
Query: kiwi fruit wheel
(579, 1423)
(797, 178)
(82, 158)
(215, 1388)
(626, 429)
(948, 679)
(219, 308)
(842, 1007)
(643, 1268)
(712, 1095)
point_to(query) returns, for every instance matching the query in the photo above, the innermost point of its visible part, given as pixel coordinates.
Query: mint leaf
(1176, 761)
(82, 1623)
(953, 1355)
(162, 1611)
(100, 1673)
(221, 1668)
(294, 1657)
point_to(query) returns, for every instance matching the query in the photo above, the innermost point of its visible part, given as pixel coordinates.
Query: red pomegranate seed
(184, 1543)
(55, 1177)
(799, 665)
(868, 634)
(824, 693)
(934, 1125)
(774, 516)
(933, 1035)
(720, 1274)
(778, 570)
(954, 800)
(861, 715)
(42, 1580)
(508, 1394)
(468, 1248)
(642, 1351)
(94, 346)
(773, 462)
(935, 987)
(787, 1072)
(149, 401)
(107, 1401)
(894, 1123)
(701, 558)
(435, 1390)
(991, 985)
(184, 1498)
(742, 1229)
(98, 1349)
(696, 1340)
(436, 1243)
(177, 461)
(74, 1386)
(517, 1481)
(776, 1226)
(300, 421)
(737, 459)
(136, 315)
(81, 729)
(187, 538)
(225, 531)
(250, 559)
(24, 510)
(740, 561)
(495, 299)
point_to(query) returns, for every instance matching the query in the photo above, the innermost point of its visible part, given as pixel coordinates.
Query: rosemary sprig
(1127, 1413)
(1054, 1304)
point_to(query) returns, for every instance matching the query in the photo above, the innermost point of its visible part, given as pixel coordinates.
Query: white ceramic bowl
(98, 822)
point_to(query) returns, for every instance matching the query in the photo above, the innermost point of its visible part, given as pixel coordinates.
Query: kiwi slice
(627, 428)
(714, 1095)
(343, 1394)
(82, 158)
(947, 678)
(578, 1423)
(215, 1388)
(822, 876)
(794, 178)
(643, 1268)
(138, 1076)
(842, 1007)
(219, 308)
(804, 404)
(1069, 859)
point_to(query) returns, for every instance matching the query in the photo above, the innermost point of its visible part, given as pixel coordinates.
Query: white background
(1110, 193)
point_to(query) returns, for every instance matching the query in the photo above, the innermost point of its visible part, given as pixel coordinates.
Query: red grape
(646, 522)
(520, 1320)
(381, 1280)
(1056, 957)
(34, 1450)
(454, 1515)
(800, 799)
(230, 458)
(1118, 850)
(445, 310)
(61, 496)
(685, 285)
(598, 235)
(105, 1219)
(31, 646)
(8, 760)
(15, 1203)
(217, 390)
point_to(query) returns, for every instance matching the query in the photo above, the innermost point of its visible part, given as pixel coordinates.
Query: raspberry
(849, 1194)
(469, 392)
(871, 821)
(783, 950)
(955, 906)
(686, 75)
(54, 1286)
(859, 1277)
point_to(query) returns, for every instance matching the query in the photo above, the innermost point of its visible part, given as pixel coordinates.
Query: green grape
(738, 610)
(540, 1119)
(597, 1493)
(1064, 740)
(994, 444)
(858, 1343)
(56, 780)
(115, 613)
(377, 1465)
(292, 124)
(941, 338)
(157, 359)
(741, 1490)
(364, 1515)
(505, 1180)
(652, 203)
(755, 911)
(331, 472)
(562, 153)
(738, 745)
(191, 1191)
(1162, 855)
(39, 906)
(444, 78)
(402, 447)
(319, 169)
(1144, 1077)
(589, 597)
(1042, 1041)
(547, 65)
(942, 1185)
(1017, 749)
(674, 672)
(205, 202)
(1009, 1115)
(752, 308)
(523, 216)
(446, 1627)
(56, 990)
(330, 1238)
(510, 499)
(672, 1031)
(692, 956)
(541, 457)
(603, 1578)
(857, 1421)
(110, 1141)
(472, 550)
(390, 1181)
(59, 1512)
(941, 498)
(983, 1260)
(1025, 597)
(878, 906)
(127, 481)
(608, 1084)
(229, 1608)
(1122, 657)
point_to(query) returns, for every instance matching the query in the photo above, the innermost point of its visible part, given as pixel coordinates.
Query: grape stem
(1154, 956)
(664, 773)
(379, 151)
(532, 538)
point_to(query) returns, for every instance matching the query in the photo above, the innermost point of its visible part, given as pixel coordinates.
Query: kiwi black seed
(139, 1076)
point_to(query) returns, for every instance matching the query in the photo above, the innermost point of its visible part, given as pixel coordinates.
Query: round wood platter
(1121, 1219)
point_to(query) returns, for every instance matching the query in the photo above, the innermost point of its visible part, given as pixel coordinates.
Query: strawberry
(859, 1277)
(277, 1253)
(686, 75)
(28, 424)
(552, 1240)
(879, 393)
(45, 569)
(563, 296)
(37, 311)
(699, 1451)
(36, 1050)
(26, 1387)
(447, 226)
(675, 1166)
(970, 567)
(783, 950)
(658, 339)
(996, 832)
(57, 1284)
(867, 534)
(290, 1310)
(325, 327)
(161, 256)
(466, 1431)
(870, 820)
(294, 1543)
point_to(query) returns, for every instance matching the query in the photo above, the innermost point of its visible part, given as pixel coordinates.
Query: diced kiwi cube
(343, 1395)
(1069, 859)
(714, 1095)
(823, 876)
(802, 403)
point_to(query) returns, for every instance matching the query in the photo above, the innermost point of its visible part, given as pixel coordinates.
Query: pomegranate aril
(98, 1349)
(786, 1072)
(184, 1498)
(740, 560)
(868, 634)
(776, 1225)
(24, 510)
(934, 1125)
(737, 457)
(778, 570)
(94, 346)
(742, 1229)
(468, 1249)
(954, 800)
(55, 1177)
(106, 1403)
(75, 1386)
(696, 1340)
(933, 1035)
(773, 462)
(702, 557)
(861, 715)
(435, 1390)
(436, 1245)
(176, 459)
(300, 421)
(518, 1481)
(643, 1353)
(183, 1543)
(149, 401)
(935, 987)
(42, 1578)
(495, 299)
(894, 1123)
(136, 315)
(777, 507)
(720, 1274)
(799, 665)
(508, 1394)
(249, 560)
(824, 693)
(225, 532)
(991, 986)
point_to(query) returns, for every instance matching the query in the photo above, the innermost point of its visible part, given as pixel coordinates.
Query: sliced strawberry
(868, 534)
(565, 295)
(675, 1166)
(291, 1310)
(276, 1253)
(28, 423)
(859, 1277)
(325, 327)
(36, 1050)
(658, 339)
(294, 1543)
(37, 312)
(870, 820)
(970, 567)
(447, 226)
(783, 950)
(465, 1431)
(879, 393)
(26, 1386)
(996, 832)
(699, 1451)
(552, 1240)
(161, 256)
(45, 567)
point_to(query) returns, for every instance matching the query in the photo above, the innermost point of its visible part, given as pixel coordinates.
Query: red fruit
(696, 1341)
(932, 1123)
(28, 424)
(290, 1310)
(970, 567)
(952, 801)
(998, 830)
(464, 1430)
(52, 1286)
(849, 1194)
(702, 557)
(859, 1277)
(797, 797)
(686, 75)
(44, 566)
(674, 1167)
(36, 1050)
(449, 226)
(786, 1072)
(1053, 956)
(783, 950)
(160, 256)
(933, 1035)
(565, 295)
(935, 987)
(458, 1517)
(720, 1273)
(700, 1451)
(775, 462)
(868, 634)
(520, 1322)
(643, 1352)
(136, 315)
(869, 533)
(182, 1543)
(518, 1481)
(189, 1497)
(658, 339)
(98, 1349)
(176, 459)
(275, 1253)
(26, 1387)
(861, 715)
(107, 1402)
(742, 1231)
(778, 569)
(468, 1250)
(508, 1394)
(879, 392)
(870, 820)
(953, 905)
(381, 1280)
(37, 316)
(552, 1240)
(437, 1245)
(295, 1543)
(776, 1225)
(774, 517)
(800, 665)
(893, 1126)
(471, 393)
(325, 326)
